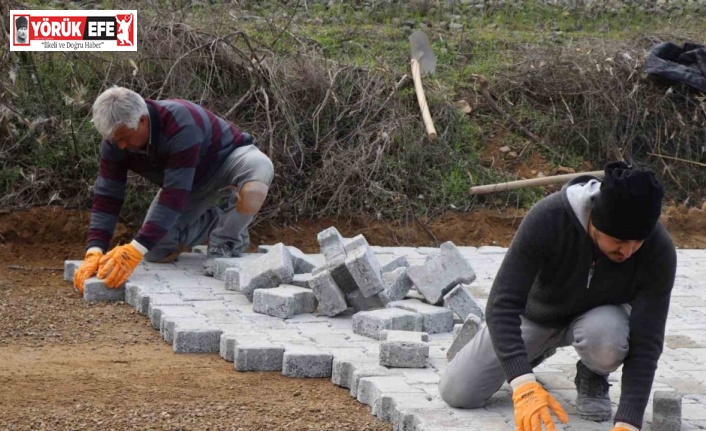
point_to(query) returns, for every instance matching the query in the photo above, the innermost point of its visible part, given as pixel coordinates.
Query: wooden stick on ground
(543, 181)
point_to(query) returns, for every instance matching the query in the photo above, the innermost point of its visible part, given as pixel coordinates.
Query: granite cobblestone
(196, 313)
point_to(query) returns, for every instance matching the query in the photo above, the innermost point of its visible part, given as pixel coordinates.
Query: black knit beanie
(629, 203)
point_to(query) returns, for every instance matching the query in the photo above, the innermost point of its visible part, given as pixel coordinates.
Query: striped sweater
(186, 147)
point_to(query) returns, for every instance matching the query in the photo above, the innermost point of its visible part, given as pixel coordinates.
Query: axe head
(420, 50)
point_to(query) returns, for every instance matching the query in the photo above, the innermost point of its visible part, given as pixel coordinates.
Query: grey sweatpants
(600, 337)
(202, 218)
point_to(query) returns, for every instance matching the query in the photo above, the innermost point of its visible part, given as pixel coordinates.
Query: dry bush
(598, 104)
(344, 139)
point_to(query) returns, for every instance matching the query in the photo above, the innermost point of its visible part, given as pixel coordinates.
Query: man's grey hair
(117, 106)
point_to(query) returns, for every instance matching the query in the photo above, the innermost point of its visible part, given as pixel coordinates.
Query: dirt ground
(70, 365)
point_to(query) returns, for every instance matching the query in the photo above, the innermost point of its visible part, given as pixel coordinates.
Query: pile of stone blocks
(281, 281)
(352, 276)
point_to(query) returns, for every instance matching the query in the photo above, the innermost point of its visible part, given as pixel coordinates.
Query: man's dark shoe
(593, 400)
(213, 253)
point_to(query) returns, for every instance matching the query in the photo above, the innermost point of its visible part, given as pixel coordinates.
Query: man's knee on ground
(251, 197)
(459, 395)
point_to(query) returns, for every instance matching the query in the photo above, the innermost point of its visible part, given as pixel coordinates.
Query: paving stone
(268, 271)
(360, 303)
(395, 263)
(156, 311)
(370, 323)
(457, 329)
(218, 266)
(404, 354)
(226, 347)
(206, 306)
(342, 276)
(371, 388)
(151, 300)
(302, 280)
(168, 324)
(441, 273)
(307, 363)
(468, 330)
(70, 267)
(162, 297)
(666, 411)
(441, 419)
(343, 367)
(235, 300)
(414, 337)
(436, 319)
(365, 270)
(362, 370)
(95, 290)
(421, 376)
(284, 301)
(221, 265)
(460, 300)
(397, 285)
(329, 295)
(426, 251)
(230, 339)
(305, 318)
(258, 356)
(198, 294)
(196, 337)
(134, 292)
(179, 282)
(286, 337)
(232, 279)
(388, 406)
(302, 263)
(331, 244)
(262, 322)
(355, 243)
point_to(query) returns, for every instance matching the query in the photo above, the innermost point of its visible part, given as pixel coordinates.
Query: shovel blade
(420, 50)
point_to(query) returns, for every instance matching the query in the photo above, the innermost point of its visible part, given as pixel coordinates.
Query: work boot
(592, 401)
(214, 252)
(240, 246)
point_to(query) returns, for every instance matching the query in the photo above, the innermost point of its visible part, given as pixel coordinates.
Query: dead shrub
(596, 103)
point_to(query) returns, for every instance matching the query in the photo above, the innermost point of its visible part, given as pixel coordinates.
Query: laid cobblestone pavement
(409, 398)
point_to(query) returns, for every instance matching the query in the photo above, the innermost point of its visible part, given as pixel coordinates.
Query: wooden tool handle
(543, 181)
(422, 99)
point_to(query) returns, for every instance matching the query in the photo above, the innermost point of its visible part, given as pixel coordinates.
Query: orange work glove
(532, 404)
(117, 265)
(87, 269)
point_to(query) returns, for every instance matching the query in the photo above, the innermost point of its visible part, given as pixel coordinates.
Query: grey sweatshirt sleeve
(517, 273)
(647, 326)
